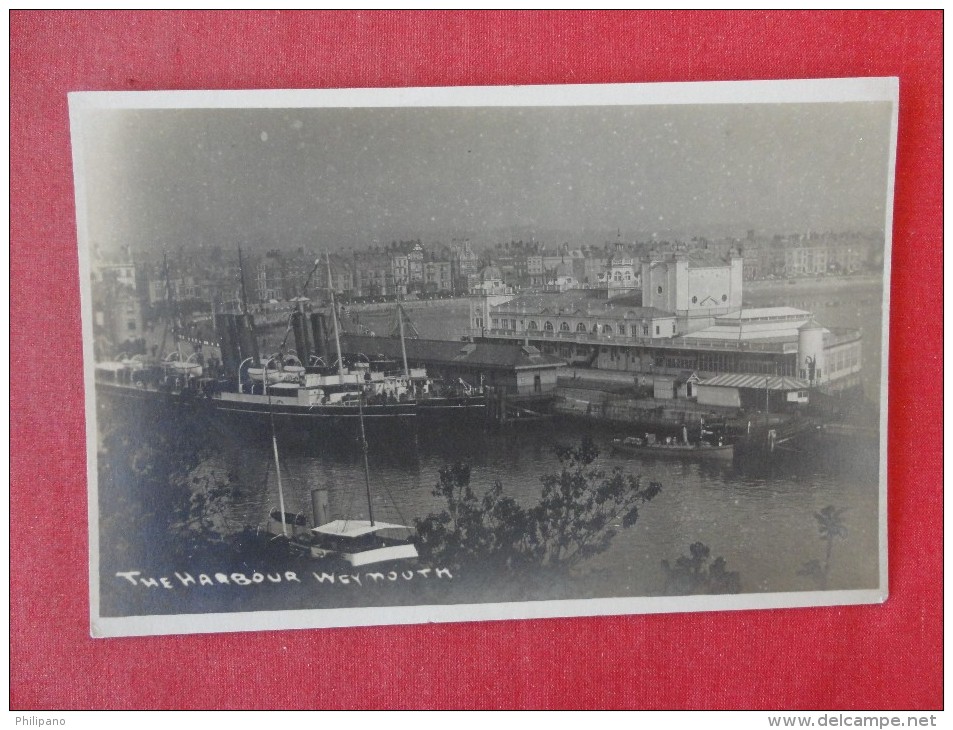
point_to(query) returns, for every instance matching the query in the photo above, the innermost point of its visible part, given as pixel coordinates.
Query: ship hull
(716, 453)
(290, 415)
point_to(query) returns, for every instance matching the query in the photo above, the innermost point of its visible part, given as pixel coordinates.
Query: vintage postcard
(410, 355)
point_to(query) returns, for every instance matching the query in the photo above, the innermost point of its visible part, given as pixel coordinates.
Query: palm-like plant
(830, 524)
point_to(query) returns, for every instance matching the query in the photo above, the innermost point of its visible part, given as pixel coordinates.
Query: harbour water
(759, 516)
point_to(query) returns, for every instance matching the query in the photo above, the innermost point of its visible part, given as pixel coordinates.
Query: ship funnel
(319, 506)
(299, 326)
(247, 342)
(227, 332)
(319, 330)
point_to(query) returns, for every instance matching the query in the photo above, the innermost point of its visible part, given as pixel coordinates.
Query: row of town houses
(128, 291)
(407, 267)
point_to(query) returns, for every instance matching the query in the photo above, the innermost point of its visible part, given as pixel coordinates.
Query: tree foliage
(579, 512)
(830, 525)
(200, 513)
(158, 494)
(696, 574)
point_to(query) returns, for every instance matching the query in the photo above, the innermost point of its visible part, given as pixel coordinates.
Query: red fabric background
(875, 657)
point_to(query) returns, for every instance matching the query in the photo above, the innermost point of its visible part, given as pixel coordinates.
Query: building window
(724, 297)
(657, 330)
(694, 300)
(645, 330)
(581, 327)
(621, 329)
(548, 327)
(496, 323)
(564, 327)
(595, 329)
(659, 290)
(533, 325)
(673, 328)
(607, 329)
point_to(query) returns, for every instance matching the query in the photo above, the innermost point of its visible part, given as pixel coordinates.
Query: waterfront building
(696, 286)
(415, 267)
(490, 283)
(621, 276)
(812, 254)
(509, 367)
(535, 271)
(373, 274)
(118, 316)
(562, 279)
(437, 276)
(269, 278)
(342, 275)
(805, 260)
(400, 271)
(688, 326)
(464, 265)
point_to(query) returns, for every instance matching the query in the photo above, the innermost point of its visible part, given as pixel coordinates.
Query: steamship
(309, 393)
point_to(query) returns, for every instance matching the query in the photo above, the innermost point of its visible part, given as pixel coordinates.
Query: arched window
(564, 327)
(607, 329)
(659, 289)
(533, 325)
(581, 327)
(595, 329)
(724, 297)
(548, 326)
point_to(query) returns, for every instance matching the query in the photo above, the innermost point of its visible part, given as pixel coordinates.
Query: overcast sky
(161, 179)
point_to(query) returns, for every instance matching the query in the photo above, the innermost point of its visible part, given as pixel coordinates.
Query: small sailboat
(355, 542)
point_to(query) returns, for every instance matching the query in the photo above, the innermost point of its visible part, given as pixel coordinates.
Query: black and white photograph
(379, 356)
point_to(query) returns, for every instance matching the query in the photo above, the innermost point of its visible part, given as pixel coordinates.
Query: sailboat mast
(367, 471)
(274, 446)
(334, 316)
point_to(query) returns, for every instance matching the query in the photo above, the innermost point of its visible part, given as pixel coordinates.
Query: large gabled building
(515, 368)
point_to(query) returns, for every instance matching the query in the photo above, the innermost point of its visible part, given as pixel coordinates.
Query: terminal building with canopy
(686, 333)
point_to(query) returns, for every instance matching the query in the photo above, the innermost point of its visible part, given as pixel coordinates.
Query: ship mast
(170, 314)
(241, 275)
(403, 346)
(334, 316)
